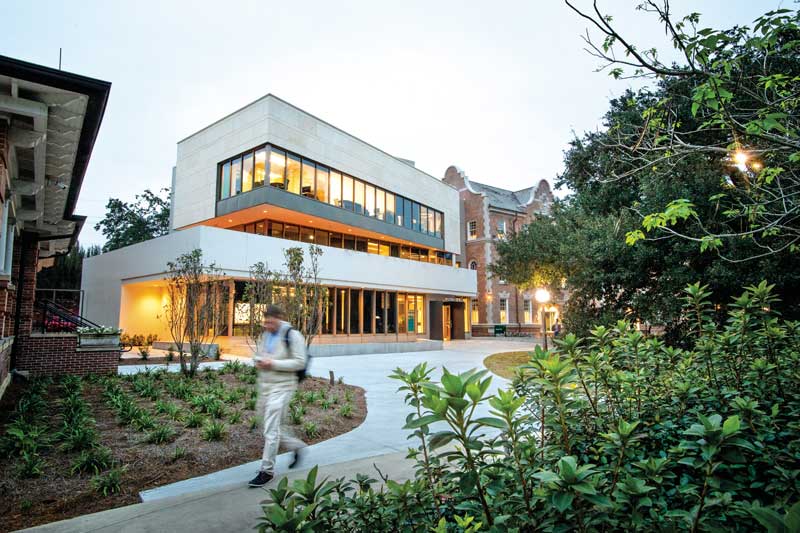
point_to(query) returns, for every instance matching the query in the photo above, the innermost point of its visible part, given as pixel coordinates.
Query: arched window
(473, 265)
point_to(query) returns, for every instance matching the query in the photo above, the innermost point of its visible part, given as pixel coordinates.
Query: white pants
(276, 399)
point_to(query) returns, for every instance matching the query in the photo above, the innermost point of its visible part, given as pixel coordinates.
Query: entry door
(446, 323)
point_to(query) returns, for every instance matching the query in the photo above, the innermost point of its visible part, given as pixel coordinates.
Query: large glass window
(321, 237)
(408, 217)
(401, 313)
(276, 230)
(380, 203)
(474, 311)
(411, 304)
(247, 173)
(504, 310)
(369, 200)
(347, 192)
(307, 187)
(335, 197)
(293, 170)
(355, 308)
(361, 244)
(390, 208)
(391, 312)
(261, 168)
(415, 220)
(277, 168)
(368, 314)
(322, 184)
(225, 181)
(349, 242)
(342, 311)
(420, 307)
(384, 249)
(527, 311)
(358, 196)
(306, 234)
(330, 308)
(380, 310)
(373, 246)
(291, 232)
(336, 240)
(438, 224)
(236, 176)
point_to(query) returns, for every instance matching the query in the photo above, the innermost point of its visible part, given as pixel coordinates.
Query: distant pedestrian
(280, 355)
(556, 329)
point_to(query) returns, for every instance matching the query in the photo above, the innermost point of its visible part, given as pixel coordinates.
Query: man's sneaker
(261, 479)
(298, 452)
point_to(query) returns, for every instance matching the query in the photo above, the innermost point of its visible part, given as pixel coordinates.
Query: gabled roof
(502, 198)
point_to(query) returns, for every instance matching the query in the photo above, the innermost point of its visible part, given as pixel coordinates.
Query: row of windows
(299, 175)
(472, 230)
(527, 311)
(348, 241)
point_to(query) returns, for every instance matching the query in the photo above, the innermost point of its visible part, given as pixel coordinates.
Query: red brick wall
(25, 248)
(50, 354)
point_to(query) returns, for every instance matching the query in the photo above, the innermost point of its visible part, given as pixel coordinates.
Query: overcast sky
(497, 88)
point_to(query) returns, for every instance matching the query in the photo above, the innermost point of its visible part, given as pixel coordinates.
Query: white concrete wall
(234, 252)
(270, 119)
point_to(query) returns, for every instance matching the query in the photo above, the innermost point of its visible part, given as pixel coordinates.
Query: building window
(336, 189)
(369, 315)
(293, 174)
(355, 311)
(277, 168)
(473, 265)
(401, 313)
(261, 168)
(501, 229)
(472, 230)
(527, 307)
(247, 173)
(420, 313)
(322, 184)
(504, 310)
(474, 311)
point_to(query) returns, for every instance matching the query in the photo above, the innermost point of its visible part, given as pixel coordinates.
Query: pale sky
(497, 88)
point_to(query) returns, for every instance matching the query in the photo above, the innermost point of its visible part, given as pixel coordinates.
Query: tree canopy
(129, 223)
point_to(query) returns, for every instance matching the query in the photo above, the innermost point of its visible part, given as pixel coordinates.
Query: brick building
(489, 213)
(49, 120)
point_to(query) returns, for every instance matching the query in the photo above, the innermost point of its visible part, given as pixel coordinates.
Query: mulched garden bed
(162, 405)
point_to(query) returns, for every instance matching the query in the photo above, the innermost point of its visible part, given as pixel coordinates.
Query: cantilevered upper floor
(273, 160)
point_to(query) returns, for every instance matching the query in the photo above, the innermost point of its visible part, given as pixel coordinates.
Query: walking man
(280, 355)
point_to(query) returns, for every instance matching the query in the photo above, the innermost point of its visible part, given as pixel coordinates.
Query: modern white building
(268, 174)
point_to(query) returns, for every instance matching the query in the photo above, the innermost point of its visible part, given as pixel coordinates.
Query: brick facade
(54, 353)
(490, 207)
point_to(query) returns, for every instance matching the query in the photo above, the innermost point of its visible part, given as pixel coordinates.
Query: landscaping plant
(613, 432)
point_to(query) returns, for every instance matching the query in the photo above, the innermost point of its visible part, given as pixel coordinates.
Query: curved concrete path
(381, 434)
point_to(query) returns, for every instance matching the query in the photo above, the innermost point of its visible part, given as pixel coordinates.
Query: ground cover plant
(613, 432)
(72, 446)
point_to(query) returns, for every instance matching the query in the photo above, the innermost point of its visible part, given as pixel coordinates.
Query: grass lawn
(71, 446)
(503, 364)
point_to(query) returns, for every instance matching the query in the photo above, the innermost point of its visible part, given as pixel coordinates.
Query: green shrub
(615, 432)
(296, 415)
(30, 464)
(348, 395)
(325, 403)
(235, 417)
(161, 435)
(144, 353)
(250, 404)
(252, 422)
(22, 436)
(310, 397)
(80, 436)
(346, 410)
(195, 420)
(170, 354)
(108, 483)
(92, 461)
(214, 430)
(178, 453)
(144, 420)
(310, 429)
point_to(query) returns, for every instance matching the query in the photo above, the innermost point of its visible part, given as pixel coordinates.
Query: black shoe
(298, 452)
(261, 479)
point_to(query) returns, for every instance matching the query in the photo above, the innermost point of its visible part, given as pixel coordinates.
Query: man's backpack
(301, 374)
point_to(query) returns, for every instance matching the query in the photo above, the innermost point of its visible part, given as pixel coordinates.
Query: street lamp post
(543, 296)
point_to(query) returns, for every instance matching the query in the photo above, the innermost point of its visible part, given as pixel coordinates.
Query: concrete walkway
(235, 508)
(188, 504)
(382, 432)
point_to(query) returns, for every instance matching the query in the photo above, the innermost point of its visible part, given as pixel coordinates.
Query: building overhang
(54, 118)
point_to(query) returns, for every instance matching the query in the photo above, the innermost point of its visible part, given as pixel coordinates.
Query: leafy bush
(252, 423)
(311, 429)
(195, 420)
(325, 403)
(296, 413)
(214, 430)
(178, 453)
(170, 354)
(109, 482)
(94, 460)
(250, 404)
(144, 420)
(614, 432)
(78, 437)
(22, 436)
(161, 435)
(346, 410)
(30, 464)
(310, 397)
(235, 417)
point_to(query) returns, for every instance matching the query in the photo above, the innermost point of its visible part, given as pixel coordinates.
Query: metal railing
(50, 317)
